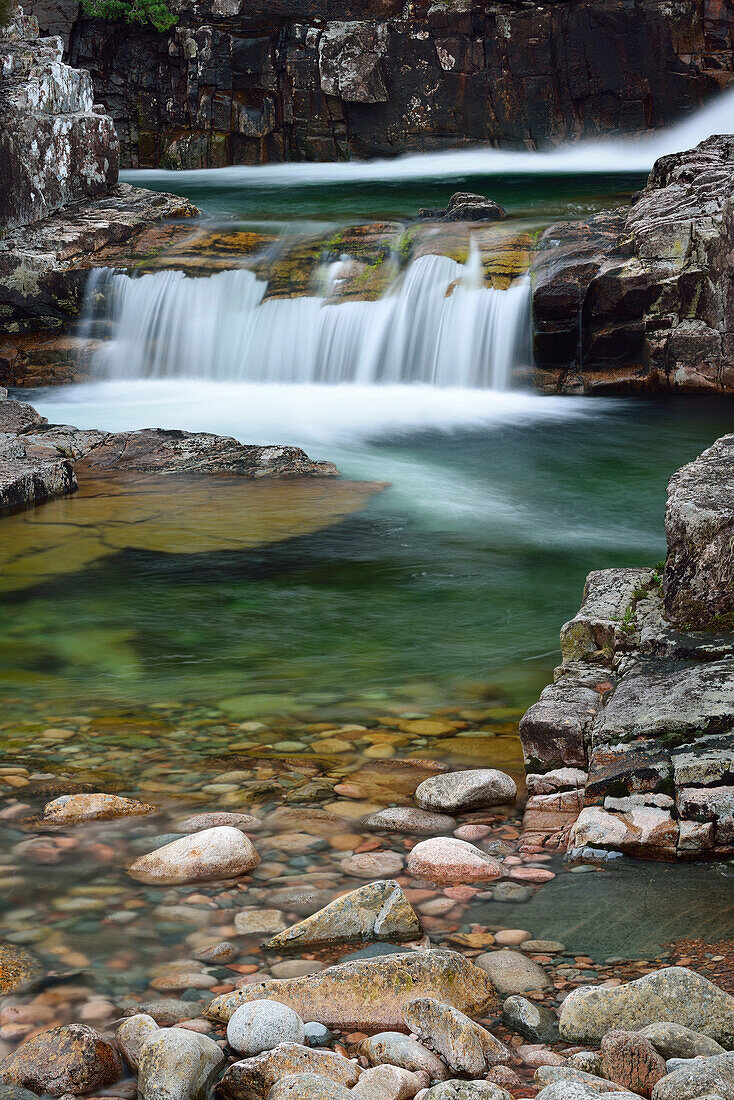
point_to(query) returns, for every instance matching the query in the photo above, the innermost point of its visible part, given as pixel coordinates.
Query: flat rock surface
(372, 993)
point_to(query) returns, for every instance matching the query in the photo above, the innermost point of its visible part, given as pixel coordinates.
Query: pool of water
(257, 651)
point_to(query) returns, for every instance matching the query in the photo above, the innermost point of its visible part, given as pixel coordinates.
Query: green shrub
(132, 11)
(6, 7)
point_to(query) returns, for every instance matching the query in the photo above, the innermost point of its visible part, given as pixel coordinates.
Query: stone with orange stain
(73, 1058)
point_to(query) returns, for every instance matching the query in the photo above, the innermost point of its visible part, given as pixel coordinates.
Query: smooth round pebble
(262, 1025)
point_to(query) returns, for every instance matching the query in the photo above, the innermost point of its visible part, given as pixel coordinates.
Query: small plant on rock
(132, 11)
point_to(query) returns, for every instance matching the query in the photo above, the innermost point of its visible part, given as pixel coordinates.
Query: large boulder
(632, 1061)
(512, 972)
(218, 853)
(701, 1077)
(698, 580)
(370, 994)
(378, 911)
(262, 1025)
(445, 859)
(672, 994)
(73, 1058)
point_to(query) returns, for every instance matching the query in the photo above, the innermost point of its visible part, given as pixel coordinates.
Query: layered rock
(237, 82)
(630, 749)
(642, 300)
(55, 147)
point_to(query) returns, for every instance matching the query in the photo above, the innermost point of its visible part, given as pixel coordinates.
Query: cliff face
(55, 147)
(237, 82)
(643, 299)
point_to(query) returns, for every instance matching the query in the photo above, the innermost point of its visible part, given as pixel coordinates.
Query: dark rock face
(55, 148)
(236, 82)
(698, 582)
(646, 709)
(643, 300)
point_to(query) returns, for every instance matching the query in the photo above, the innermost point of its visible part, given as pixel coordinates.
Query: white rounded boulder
(444, 859)
(223, 852)
(477, 789)
(263, 1025)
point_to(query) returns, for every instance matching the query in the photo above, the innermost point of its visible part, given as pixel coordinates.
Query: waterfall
(437, 325)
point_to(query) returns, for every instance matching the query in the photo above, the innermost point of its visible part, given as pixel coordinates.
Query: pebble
(373, 865)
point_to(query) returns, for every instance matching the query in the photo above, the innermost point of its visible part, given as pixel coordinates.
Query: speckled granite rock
(254, 1077)
(466, 1047)
(372, 993)
(673, 994)
(378, 911)
(73, 1058)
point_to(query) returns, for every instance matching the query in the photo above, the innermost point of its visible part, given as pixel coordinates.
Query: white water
(438, 325)
(615, 154)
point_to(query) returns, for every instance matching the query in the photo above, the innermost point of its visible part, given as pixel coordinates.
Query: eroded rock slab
(372, 993)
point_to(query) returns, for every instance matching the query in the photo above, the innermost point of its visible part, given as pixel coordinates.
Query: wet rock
(155, 450)
(387, 1083)
(302, 900)
(262, 1025)
(317, 1035)
(166, 1011)
(132, 1035)
(676, 1041)
(73, 1058)
(713, 1075)
(512, 972)
(409, 819)
(698, 580)
(465, 1046)
(466, 1090)
(15, 1092)
(479, 789)
(308, 1086)
(373, 864)
(554, 731)
(18, 968)
(395, 1049)
(372, 993)
(644, 831)
(246, 822)
(378, 911)
(72, 809)
(463, 206)
(250, 921)
(673, 994)
(176, 1064)
(223, 852)
(512, 891)
(223, 952)
(17, 417)
(631, 1061)
(447, 860)
(253, 1078)
(534, 1022)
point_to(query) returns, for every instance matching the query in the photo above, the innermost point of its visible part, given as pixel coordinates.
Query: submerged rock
(534, 1022)
(409, 819)
(176, 1064)
(513, 972)
(465, 1046)
(223, 852)
(72, 1058)
(71, 809)
(378, 911)
(372, 993)
(253, 1078)
(674, 995)
(478, 789)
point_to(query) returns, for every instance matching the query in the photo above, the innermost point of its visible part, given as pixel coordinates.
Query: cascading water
(438, 325)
